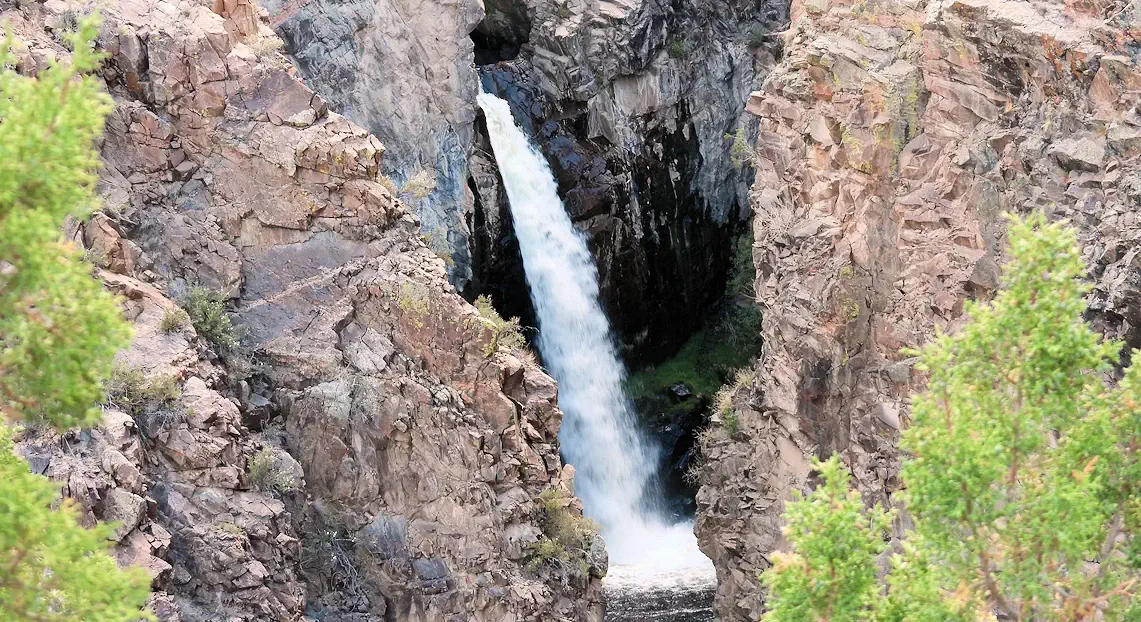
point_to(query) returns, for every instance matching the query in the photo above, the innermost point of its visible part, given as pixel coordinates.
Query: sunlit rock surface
(893, 136)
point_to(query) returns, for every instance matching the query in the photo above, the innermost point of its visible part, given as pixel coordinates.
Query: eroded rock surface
(368, 454)
(638, 106)
(403, 70)
(893, 136)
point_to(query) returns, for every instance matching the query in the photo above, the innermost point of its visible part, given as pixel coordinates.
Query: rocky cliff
(402, 69)
(893, 136)
(638, 106)
(367, 452)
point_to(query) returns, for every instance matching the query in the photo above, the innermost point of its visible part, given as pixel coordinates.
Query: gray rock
(124, 509)
(1082, 153)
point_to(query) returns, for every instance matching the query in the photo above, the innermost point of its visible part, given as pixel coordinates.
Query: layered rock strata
(893, 136)
(368, 453)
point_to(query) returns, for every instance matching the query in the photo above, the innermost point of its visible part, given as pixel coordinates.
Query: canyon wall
(893, 136)
(369, 452)
(638, 107)
(403, 70)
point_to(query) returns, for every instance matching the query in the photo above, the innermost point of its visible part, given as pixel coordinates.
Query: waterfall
(614, 465)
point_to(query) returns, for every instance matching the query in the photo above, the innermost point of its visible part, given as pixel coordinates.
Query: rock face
(892, 138)
(403, 70)
(637, 104)
(368, 454)
(638, 107)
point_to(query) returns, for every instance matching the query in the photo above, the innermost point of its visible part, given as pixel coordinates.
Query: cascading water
(614, 466)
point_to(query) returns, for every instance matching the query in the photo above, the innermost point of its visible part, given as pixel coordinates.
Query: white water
(614, 467)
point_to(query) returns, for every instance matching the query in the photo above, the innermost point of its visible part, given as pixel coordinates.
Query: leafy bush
(173, 319)
(207, 311)
(741, 151)
(506, 334)
(756, 36)
(420, 185)
(59, 331)
(566, 538)
(728, 342)
(414, 301)
(267, 474)
(263, 46)
(132, 392)
(1020, 477)
(679, 48)
(386, 181)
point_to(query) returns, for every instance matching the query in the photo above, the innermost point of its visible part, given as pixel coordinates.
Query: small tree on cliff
(59, 331)
(1022, 476)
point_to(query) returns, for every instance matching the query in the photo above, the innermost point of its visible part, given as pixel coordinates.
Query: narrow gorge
(541, 309)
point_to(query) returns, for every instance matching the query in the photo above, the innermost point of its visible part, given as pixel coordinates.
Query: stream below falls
(656, 570)
(633, 598)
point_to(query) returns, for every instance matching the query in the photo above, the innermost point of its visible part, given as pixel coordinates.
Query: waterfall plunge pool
(656, 569)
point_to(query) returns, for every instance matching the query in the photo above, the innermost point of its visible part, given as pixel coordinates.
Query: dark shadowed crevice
(502, 33)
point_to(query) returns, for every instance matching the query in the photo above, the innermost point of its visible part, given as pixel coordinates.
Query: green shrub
(263, 46)
(267, 474)
(741, 151)
(59, 332)
(756, 36)
(420, 185)
(546, 551)
(566, 538)
(506, 334)
(414, 301)
(386, 181)
(728, 342)
(173, 319)
(1020, 476)
(207, 311)
(129, 390)
(679, 48)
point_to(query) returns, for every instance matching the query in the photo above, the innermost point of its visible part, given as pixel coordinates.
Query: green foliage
(59, 328)
(832, 574)
(207, 311)
(546, 551)
(420, 185)
(267, 474)
(327, 555)
(506, 334)
(679, 48)
(413, 300)
(712, 355)
(386, 181)
(566, 537)
(132, 392)
(741, 151)
(730, 421)
(1022, 471)
(53, 568)
(756, 36)
(59, 331)
(173, 320)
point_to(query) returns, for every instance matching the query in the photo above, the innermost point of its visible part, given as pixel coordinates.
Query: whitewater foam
(614, 465)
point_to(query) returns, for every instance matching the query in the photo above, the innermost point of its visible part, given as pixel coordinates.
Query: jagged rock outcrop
(892, 138)
(403, 70)
(368, 454)
(637, 106)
